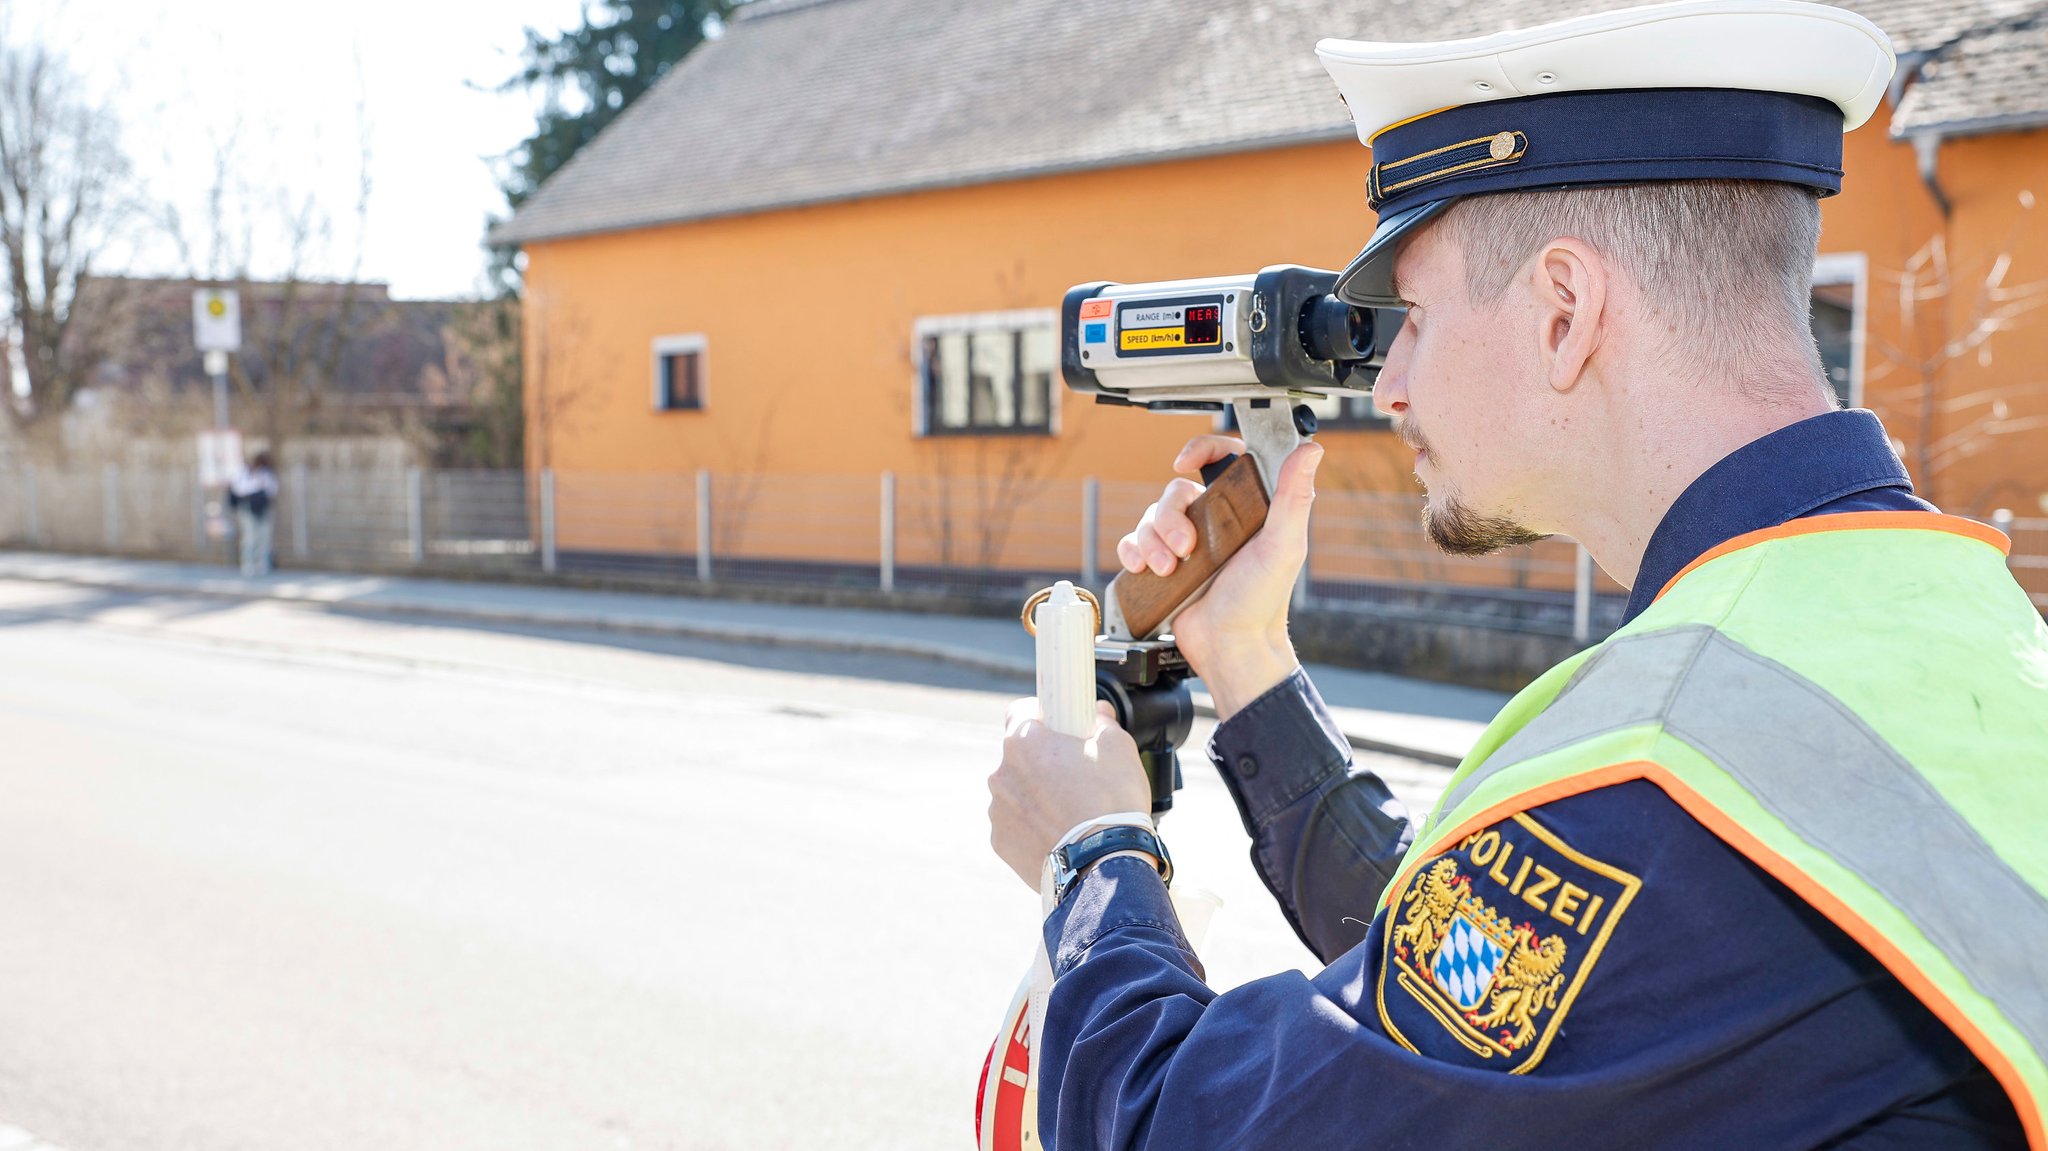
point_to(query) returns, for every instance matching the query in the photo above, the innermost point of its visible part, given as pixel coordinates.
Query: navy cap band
(1631, 136)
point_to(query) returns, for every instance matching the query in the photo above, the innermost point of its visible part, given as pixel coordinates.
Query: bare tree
(63, 206)
(739, 478)
(304, 305)
(1936, 342)
(986, 479)
(975, 487)
(484, 362)
(557, 376)
(976, 484)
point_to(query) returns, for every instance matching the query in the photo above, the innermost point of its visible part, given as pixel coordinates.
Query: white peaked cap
(1694, 90)
(1763, 45)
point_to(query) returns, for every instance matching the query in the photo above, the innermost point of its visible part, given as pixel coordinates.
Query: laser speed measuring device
(1197, 345)
(1259, 345)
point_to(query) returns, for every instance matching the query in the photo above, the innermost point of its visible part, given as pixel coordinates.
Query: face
(1453, 384)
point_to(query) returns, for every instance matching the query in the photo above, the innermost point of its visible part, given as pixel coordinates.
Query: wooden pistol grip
(1229, 513)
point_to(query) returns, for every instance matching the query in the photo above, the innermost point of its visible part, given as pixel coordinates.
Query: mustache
(1408, 432)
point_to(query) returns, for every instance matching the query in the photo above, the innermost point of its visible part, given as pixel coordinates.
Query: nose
(1390, 391)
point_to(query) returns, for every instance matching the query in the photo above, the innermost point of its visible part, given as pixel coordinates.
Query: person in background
(253, 495)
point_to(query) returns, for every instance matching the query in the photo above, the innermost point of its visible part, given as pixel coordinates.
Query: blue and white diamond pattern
(1466, 963)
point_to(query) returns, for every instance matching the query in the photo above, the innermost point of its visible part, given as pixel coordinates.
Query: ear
(1570, 285)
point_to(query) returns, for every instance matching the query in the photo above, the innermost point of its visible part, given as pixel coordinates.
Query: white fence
(910, 536)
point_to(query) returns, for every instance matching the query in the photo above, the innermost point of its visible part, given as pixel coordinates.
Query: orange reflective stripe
(1874, 941)
(1854, 521)
(1783, 870)
(1560, 789)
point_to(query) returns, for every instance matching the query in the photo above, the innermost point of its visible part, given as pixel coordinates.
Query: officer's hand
(1049, 782)
(1234, 634)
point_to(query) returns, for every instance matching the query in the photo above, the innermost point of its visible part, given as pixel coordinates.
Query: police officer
(1762, 869)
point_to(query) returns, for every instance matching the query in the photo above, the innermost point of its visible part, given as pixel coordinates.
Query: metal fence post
(888, 531)
(110, 487)
(1091, 529)
(198, 515)
(35, 506)
(547, 520)
(416, 514)
(302, 529)
(1582, 596)
(704, 525)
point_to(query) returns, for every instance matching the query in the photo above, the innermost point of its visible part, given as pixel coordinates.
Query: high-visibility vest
(1858, 703)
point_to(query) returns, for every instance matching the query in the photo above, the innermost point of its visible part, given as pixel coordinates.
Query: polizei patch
(1489, 944)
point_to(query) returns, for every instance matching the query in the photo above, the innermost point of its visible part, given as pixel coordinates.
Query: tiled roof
(1991, 79)
(812, 101)
(1923, 25)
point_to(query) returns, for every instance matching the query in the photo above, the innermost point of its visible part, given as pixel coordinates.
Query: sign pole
(217, 367)
(217, 331)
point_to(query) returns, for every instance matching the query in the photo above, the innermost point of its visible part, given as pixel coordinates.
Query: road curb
(684, 629)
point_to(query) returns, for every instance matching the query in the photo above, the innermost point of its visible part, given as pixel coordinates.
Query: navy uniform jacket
(1614, 976)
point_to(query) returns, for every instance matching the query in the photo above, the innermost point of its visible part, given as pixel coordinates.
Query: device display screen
(1169, 327)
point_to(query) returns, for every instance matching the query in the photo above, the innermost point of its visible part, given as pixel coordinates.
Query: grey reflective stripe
(1835, 783)
(1630, 682)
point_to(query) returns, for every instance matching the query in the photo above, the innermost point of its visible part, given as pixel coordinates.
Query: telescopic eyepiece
(1337, 331)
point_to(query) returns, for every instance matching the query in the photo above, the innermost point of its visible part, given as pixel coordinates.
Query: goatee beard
(1457, 529)
(1454, 527)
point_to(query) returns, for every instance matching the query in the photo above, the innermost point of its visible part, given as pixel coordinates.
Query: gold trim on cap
(1402, 123)
(1502, 148)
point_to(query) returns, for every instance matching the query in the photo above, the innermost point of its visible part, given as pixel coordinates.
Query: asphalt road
(272, 877)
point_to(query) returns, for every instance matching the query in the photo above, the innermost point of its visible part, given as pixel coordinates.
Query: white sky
(183, 75)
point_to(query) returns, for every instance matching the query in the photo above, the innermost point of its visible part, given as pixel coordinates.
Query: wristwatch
(1071, 860)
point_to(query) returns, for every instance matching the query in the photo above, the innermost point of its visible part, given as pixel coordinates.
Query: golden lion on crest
(1431, 900)
(1529, 977)
(1527, 983)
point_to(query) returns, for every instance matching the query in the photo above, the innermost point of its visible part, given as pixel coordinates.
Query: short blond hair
(1729, 261)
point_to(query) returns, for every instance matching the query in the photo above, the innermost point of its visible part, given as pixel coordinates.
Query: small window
(1840, 281)
(990, 374)
(679, 374)
(1834, 326)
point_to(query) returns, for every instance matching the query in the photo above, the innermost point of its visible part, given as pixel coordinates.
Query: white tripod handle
(1007, 1120)
(1066, 661)
(1066, 697)
(1064, 626)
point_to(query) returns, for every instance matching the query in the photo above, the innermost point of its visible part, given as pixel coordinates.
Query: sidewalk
(1433, 722)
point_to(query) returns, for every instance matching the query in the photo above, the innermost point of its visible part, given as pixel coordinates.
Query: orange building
(830, 245)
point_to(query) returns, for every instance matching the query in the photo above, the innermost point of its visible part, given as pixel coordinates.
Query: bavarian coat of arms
(1493, 939)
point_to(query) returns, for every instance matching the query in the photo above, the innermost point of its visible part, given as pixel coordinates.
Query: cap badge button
(1502, 146)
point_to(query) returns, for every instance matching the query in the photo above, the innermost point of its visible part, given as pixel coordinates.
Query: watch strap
(1072, 860)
